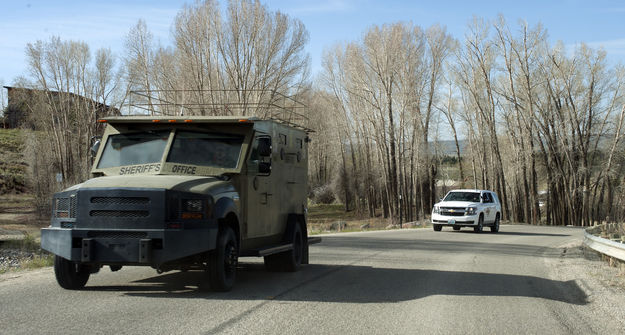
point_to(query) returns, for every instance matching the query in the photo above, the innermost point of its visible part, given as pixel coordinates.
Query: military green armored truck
(180, 193)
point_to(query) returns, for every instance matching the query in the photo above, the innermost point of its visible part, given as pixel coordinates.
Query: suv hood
(456, 204)
(193, 184)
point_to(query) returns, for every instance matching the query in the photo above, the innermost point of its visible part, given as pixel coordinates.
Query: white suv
(468, 208)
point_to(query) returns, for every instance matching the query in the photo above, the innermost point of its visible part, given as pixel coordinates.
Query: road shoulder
(604, 285)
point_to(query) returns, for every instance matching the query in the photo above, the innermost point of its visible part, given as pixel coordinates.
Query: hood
(193, 184)
(456, 204)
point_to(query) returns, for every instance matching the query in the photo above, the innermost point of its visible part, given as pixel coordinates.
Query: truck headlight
(471, 210)
(192, 205)
(436, 210)
(192, 209)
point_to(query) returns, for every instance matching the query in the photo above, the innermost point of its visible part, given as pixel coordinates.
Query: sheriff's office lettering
(135, 169)
(183, 169)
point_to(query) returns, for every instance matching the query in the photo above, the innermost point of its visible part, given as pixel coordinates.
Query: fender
(223, 206)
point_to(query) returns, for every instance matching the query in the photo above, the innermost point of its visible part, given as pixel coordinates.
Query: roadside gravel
(12, 258)
(603, 284)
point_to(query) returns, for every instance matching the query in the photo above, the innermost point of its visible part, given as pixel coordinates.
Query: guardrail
(605, 246)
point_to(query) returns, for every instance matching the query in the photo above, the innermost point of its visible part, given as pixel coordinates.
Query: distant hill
(448, 147)
(12, 163)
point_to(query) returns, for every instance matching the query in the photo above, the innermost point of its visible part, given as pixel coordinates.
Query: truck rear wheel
(222, 262)
(291, 260)
(70, 275)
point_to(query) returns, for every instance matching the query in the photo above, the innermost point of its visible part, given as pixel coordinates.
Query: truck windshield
(463, 196)
(206, 149)
(134, 148)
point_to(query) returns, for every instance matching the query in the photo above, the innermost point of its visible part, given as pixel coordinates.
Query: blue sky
(105, 23)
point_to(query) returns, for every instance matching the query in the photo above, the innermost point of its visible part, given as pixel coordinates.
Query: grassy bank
(12, 163)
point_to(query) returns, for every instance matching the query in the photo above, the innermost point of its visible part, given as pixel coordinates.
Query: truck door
(261, 199)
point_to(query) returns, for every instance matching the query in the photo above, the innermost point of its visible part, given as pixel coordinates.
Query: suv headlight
(436, 210)
(471, 210)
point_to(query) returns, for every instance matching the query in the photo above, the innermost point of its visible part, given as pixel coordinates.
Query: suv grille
(450, 211)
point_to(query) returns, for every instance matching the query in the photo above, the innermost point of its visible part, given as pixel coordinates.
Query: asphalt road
(391, 282)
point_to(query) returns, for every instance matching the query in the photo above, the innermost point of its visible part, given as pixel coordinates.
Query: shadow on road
(354, 284)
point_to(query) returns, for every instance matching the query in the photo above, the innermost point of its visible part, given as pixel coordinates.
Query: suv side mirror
(264, 146)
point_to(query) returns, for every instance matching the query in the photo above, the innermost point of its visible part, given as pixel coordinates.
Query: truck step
(276, 249)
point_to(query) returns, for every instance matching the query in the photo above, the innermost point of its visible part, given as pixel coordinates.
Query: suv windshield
(463, 196)
(206, 149)
(134, 148)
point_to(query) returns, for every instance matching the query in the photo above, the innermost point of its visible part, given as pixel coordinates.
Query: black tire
(480, 224)
(495, 227)
(70, 275)
(222, 262)
(291, 260)
(456, 227)
(437, 227)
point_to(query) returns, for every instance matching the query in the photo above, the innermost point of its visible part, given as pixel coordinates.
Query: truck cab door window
(264, 149)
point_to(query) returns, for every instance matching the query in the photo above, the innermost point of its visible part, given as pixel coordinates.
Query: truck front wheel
(70, 275)
(222, 262)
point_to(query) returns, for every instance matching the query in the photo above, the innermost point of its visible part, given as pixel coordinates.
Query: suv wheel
(222, 262)
(480, 224)
(437, 227)
(495, 227)
(70, 275)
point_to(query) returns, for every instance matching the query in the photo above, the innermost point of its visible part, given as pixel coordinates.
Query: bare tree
(67, 92)
(243, 58)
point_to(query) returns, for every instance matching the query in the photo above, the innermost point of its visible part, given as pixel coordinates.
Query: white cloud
(309, 7)
(612, 47)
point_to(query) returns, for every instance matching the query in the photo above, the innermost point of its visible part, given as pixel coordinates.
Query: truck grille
(119, 213)
(121, 200)
(65, 207)
(72, 206)
(116, 234)
(114, 208)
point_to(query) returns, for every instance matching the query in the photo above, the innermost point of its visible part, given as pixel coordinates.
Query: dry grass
(333, 218)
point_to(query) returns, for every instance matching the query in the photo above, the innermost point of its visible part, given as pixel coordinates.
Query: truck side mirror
(264, 146)
(94, 148)
(264, 168)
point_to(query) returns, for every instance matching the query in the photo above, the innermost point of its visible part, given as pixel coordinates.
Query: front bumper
(127, 247)
(459, 221)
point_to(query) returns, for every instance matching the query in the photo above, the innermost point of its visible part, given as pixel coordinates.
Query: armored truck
(180, 193)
